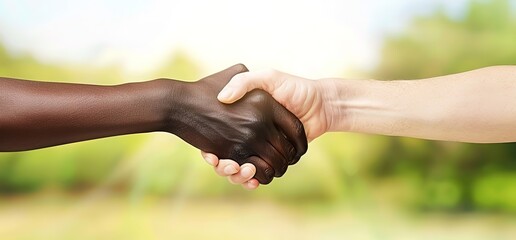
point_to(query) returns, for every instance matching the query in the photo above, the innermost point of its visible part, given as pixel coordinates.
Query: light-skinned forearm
(476, 106)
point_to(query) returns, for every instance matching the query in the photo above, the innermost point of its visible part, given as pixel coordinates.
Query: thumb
(242, 83)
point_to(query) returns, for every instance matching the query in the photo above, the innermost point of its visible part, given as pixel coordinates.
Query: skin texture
(475, 106)
(256, 129)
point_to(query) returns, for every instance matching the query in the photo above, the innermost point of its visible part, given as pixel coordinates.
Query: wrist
(161, 97)
(337, 93)
(365, 106)
(174, 104)
(169, 102)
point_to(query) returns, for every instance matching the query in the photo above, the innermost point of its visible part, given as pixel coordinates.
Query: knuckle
(249, 133)
(237, 179)
(291, 155)
(236, 78)
(258, 98)
(241, 151)
(281, 171)
(249, 137)
(270, 79)
(231, 180)
(220, 172)
(265, 175)
(271, 72)
(269, 173)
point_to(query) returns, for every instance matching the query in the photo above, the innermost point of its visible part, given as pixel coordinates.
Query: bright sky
(308, 38)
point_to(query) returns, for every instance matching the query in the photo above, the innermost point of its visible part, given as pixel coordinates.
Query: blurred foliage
(26, 67)
(452, 176)
(426, 175)
(180, 67)
(438, 44)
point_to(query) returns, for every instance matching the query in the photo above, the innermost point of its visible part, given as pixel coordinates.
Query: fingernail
(246, 172)
(225, 94)
(230, 170)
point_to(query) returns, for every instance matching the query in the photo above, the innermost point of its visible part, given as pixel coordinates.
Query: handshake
(256, 129)
(260, 120)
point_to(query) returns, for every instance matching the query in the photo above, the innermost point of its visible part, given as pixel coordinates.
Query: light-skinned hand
(303, 97)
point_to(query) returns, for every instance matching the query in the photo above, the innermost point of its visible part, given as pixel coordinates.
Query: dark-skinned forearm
(41, 114)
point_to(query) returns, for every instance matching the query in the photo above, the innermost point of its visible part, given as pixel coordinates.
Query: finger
(293, 130)
(245, 174)
(242, 83)
(264, 172)
(227, 167)
(210, 158)
(283, 145)
(251, 184)
(227, 73)
(275, 159)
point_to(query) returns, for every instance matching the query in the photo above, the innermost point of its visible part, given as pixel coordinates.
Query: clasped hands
(255, 129)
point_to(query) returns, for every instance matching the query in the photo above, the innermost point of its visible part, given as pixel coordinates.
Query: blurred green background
(348, 186)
